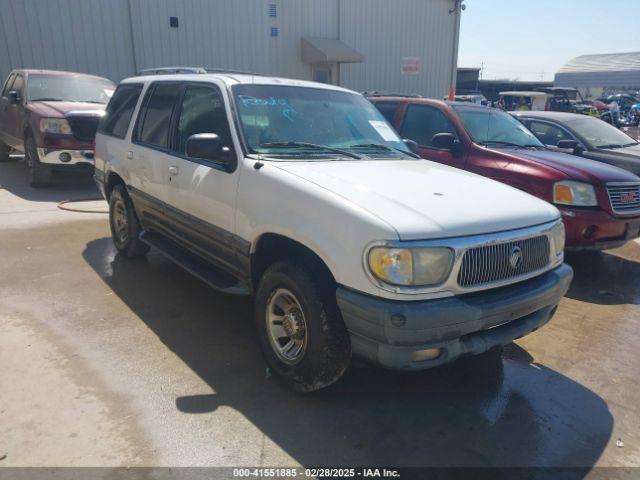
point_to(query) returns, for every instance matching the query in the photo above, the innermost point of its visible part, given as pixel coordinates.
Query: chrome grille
(494, 263)
(624, 197)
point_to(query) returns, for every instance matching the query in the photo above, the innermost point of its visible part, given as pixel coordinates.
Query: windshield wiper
(506, 144)
(47, 100)
(383, 147)
(616, 145)
(313, 146)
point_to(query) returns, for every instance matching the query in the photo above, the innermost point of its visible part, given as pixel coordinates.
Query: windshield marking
(287, 108)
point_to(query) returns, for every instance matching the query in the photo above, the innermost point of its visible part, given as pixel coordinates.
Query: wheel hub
(286, 326)
(293, 324)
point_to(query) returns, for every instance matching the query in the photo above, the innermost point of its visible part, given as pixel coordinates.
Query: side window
(120, 110)
(202, 111)
(8, 84)
(387, 109)
(156, 117)
(18, 85)
(549, 134)
(422, 122)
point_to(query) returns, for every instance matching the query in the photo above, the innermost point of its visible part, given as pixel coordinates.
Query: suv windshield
(58, 88)
(301, 121)
(599, 134)
(494, 128)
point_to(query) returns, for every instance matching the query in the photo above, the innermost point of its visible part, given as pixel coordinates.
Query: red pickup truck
(600, 203)
(52, 117)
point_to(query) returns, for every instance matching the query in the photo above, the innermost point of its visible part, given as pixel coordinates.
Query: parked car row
(618, 110)
(555, 99)
(600, 203)
(386, 228)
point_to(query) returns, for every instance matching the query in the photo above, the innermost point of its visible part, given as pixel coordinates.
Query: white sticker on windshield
(384, 130)
(108, 92)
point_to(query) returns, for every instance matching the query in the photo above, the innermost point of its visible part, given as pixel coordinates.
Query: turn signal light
(563, 194)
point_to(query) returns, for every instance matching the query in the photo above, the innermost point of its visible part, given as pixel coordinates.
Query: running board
(201, 269)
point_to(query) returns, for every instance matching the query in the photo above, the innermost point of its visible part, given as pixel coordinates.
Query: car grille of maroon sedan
(624, 197)
(504, 261)
(84, 127)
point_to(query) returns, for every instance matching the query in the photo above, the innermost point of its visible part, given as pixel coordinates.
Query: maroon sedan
(52, 117)
(600, 203)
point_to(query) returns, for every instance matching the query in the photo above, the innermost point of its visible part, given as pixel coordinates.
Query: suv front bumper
(388, 332)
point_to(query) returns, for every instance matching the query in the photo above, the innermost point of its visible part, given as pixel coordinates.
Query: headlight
(558, 236)
(55, 125)
(420, 266)
(574, 193)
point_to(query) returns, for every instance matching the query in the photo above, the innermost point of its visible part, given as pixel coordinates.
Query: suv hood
(576, 168)
(425, 200)
(60, 109)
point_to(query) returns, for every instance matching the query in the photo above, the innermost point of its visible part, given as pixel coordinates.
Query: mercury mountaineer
(302, 196)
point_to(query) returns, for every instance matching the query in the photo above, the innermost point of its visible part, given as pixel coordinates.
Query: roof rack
(228, 70)
(196, 70)
(170, 70)
(390, 94)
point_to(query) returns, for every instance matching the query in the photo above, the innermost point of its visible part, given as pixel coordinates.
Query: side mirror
(14, 97)
(445, 141)
(571, 145)
(207, 146)
(567, 144)
(412, 146)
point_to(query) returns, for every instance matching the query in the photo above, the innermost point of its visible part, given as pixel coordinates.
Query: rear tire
(124, 224)
(5, 150)
(39, 174)
(302, 335)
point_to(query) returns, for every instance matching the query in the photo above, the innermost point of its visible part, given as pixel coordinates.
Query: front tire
(302, 335)
(124, 224)
(39, 174)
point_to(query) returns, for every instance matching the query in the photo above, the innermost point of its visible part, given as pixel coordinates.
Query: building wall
(116, 38)
(90, 36)
(386, 31)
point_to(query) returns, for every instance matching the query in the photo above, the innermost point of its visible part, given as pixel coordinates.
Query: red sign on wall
(410, 66)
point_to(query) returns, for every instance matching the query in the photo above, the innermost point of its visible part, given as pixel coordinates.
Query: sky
(532, 39)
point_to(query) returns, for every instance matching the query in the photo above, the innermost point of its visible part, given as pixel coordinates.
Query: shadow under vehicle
(505, 411)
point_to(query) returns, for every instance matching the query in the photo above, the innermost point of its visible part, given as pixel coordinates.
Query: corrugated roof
(610, 62)
(618, 70)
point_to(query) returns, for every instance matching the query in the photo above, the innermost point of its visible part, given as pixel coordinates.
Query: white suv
(302, 195)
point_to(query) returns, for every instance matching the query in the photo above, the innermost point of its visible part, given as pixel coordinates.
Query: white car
(301, 195)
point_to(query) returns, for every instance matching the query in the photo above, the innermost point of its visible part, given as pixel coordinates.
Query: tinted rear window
(156, 117)
(387, 109)
(120, 110)
(423, 122)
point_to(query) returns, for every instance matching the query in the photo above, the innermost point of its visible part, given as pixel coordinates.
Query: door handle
(129, 155)
(173, 170)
